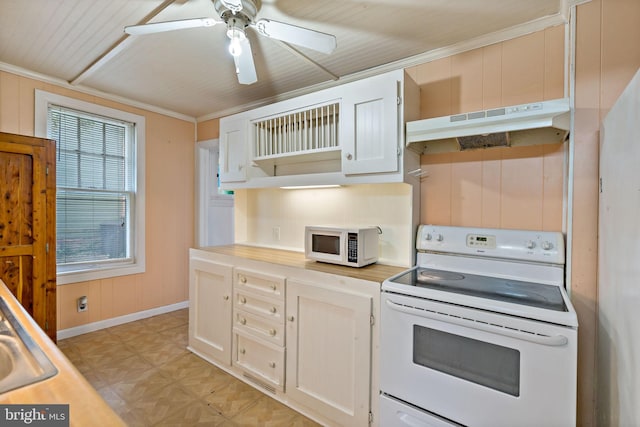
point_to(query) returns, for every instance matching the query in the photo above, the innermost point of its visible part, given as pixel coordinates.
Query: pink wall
(169, 209)
(502, 187)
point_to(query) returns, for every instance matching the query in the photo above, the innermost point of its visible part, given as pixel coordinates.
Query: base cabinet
(210, 308)
(306, 338)
(329, 351)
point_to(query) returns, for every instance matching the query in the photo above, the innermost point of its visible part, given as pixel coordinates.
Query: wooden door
(27, 225)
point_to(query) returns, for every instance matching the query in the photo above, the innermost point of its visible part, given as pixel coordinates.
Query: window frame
(43, 100)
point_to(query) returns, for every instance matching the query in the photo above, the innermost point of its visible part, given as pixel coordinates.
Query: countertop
(68, 386)
(373, 272)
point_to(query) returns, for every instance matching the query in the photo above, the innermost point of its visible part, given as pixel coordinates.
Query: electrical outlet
(82, 304)
(275, 233)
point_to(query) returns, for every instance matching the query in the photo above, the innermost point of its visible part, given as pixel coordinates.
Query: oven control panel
(541, 246)
(481, 241)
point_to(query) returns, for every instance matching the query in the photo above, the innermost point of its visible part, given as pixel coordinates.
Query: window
(100, 187)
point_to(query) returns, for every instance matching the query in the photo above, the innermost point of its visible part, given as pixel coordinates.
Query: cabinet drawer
(262, 284)
(259, 327)
(261, 360)
(272, 309)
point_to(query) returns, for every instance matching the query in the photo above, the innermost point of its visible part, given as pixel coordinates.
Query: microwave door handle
(552, 341)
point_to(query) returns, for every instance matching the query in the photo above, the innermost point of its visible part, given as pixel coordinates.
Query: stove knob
(439, 237)
(547, 246)
(428, 237)
(530, 244)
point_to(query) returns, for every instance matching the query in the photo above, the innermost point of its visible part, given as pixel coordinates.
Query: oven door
(475, 367)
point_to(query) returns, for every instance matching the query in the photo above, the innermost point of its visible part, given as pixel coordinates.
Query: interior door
(618, 267)
(27, 225)
(215, 210)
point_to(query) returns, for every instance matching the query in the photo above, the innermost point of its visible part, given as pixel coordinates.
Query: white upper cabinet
(348, 134)
(372, 126)
(233, 150)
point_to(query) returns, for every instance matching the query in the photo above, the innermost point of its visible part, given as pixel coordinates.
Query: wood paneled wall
(169, 202)
(498, 187)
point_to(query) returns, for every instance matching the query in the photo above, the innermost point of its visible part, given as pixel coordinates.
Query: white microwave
(350, 246)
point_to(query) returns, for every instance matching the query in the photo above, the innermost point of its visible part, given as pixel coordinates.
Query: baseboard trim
(115, 321)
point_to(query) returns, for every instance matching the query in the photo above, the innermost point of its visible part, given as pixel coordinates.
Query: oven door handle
(552, 341)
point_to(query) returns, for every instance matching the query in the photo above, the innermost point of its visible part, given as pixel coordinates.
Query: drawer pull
(243, 279)
(273, 310)
(243, 321)
(243, 300)
(290, 318)
(272, 364)
(242, 351)
(272, 332)
(226, 297)
(273, 287)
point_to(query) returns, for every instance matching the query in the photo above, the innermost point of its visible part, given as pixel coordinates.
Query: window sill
(68, 277)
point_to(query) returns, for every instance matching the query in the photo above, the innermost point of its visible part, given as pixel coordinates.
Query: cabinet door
(210, 309)
(233, 150)
(369, 136)
(329, 352)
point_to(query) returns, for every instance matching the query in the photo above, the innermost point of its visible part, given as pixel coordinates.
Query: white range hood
(543, 122)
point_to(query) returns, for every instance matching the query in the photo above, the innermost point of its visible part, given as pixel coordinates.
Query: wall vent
(268, 387)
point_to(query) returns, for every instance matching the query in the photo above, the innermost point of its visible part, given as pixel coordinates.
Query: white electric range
(481, 332)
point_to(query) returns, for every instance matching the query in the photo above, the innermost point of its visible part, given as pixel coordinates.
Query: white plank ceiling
(190, 72)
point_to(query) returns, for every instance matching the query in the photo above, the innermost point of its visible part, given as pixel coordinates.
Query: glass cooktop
(506, 290)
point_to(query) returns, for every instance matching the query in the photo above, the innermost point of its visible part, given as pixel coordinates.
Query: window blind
(95, 187)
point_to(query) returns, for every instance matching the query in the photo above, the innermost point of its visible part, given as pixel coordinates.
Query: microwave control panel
(352, 247)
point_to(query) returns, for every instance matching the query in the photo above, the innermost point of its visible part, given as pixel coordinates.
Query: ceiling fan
(238, 15)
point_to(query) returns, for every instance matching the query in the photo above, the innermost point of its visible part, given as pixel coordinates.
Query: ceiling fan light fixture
(235, 32)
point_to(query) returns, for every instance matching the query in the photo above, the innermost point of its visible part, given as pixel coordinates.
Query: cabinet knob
(290, 318)
(272, 364)
(349, 156)
(243, 300)
(272, 332)
(226, 297)
(242, 351)
(273, 287)
(243, 279)
(243, 321)
(273, 310)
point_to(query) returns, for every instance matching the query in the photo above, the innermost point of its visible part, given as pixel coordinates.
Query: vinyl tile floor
(146, 374)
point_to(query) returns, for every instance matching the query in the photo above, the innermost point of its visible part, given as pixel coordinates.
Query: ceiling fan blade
(321, 42)
(245, 68)
(159, 27)
(234, 6)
